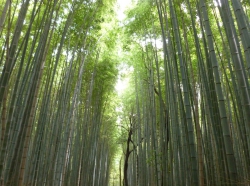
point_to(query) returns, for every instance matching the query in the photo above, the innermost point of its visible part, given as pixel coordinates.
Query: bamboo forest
(124, 93)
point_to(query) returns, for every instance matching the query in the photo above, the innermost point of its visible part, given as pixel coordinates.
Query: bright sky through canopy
(122, 5)
(122, 82)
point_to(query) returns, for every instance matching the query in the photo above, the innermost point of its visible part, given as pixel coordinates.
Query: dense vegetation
(184, 118)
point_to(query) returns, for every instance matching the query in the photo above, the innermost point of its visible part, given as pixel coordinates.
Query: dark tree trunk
(126, 158)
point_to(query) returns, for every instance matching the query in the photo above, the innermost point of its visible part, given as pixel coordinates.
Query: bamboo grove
(56, 87)
(183, 120)
(189, 110)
